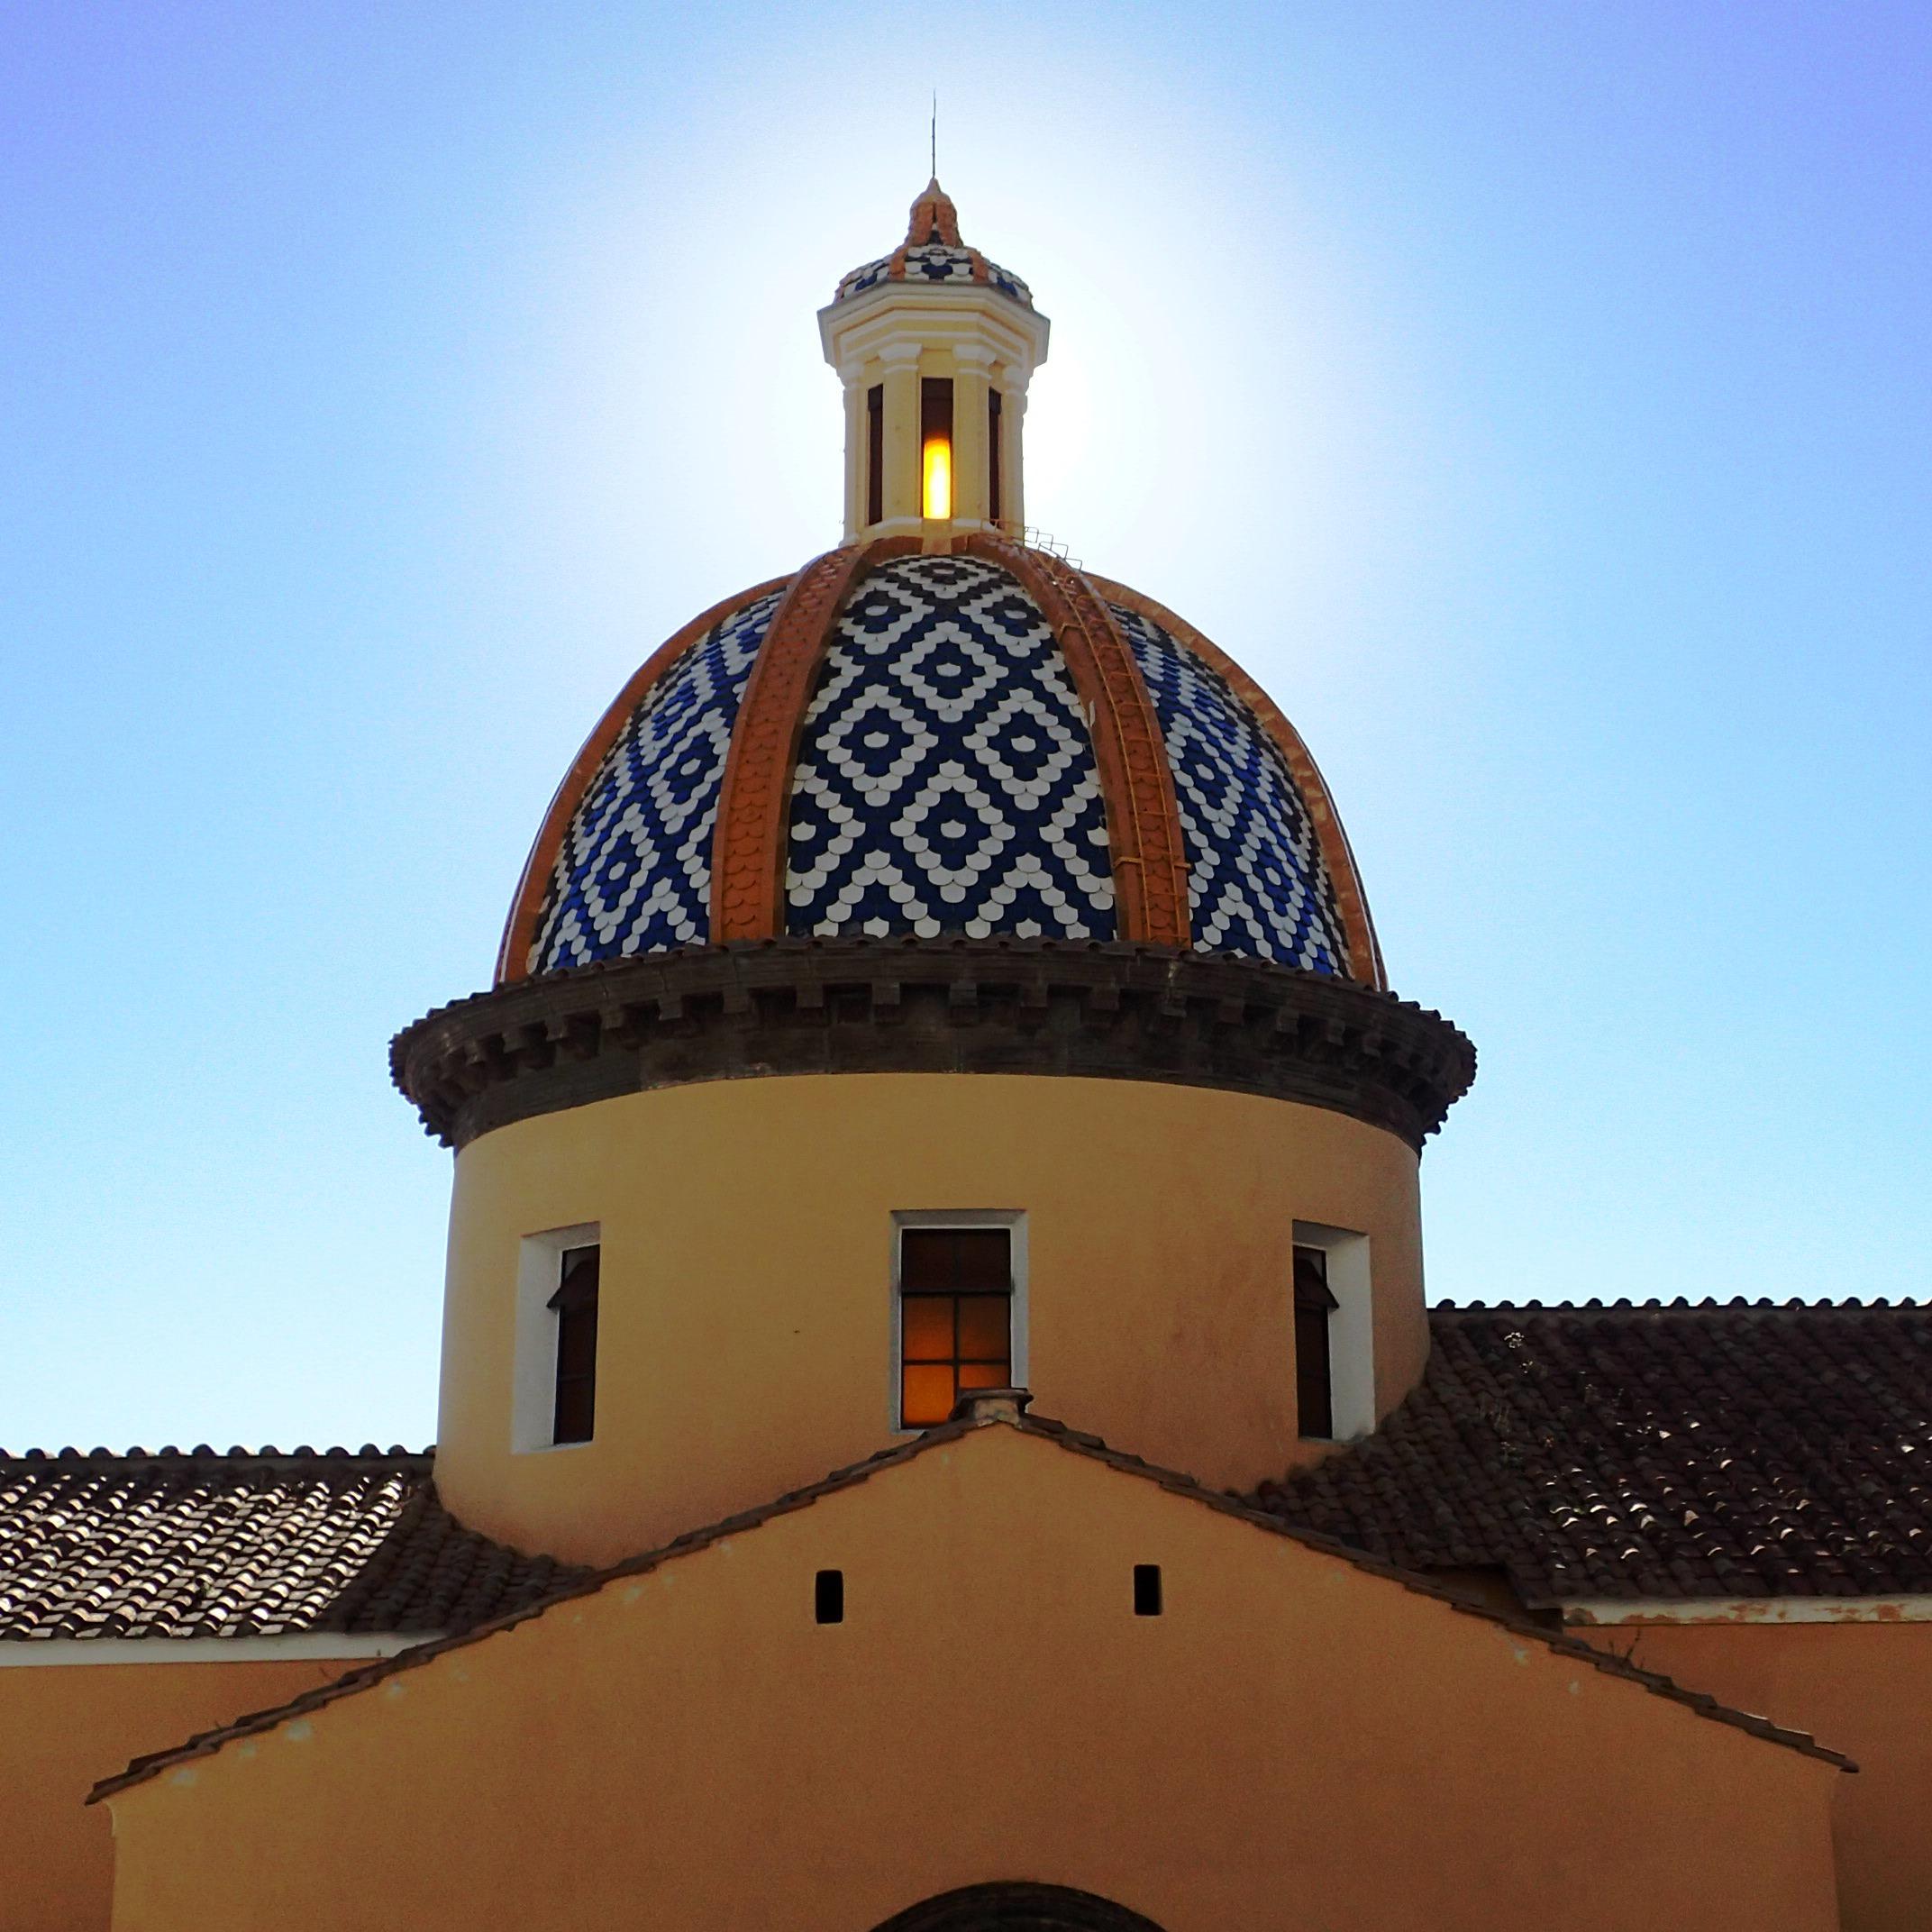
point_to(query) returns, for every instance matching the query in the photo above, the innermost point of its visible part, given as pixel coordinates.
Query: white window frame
(1350, 1327)
(534, 1373)
(1014, 1219)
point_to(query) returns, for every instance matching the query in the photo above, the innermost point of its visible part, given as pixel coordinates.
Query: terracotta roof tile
(1715, 1450)
(196, 1544)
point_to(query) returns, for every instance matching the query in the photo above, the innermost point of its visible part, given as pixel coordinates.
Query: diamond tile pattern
(1726, 1451)
(946, 782)
(933, 262)
(1257, 883)
(173, 1546)
(634, 874)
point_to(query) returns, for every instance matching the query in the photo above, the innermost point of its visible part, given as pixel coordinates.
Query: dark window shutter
(993, 507)
(875, 453)
(1315, 1302)
(574, 1417)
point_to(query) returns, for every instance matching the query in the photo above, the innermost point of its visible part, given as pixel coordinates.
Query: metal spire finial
(934, 157)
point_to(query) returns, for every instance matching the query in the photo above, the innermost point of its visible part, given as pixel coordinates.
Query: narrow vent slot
(829, 1596)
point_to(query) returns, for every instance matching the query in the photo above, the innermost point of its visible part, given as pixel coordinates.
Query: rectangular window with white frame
(1333, 1312)
(959, 1308)
(559, 1280)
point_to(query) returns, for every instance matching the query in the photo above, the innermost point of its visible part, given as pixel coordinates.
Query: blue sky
(1534, 397)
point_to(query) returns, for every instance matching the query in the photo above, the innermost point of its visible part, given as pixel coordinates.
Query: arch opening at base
(1016, 1907)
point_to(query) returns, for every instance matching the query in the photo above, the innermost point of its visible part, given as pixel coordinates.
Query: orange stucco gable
(1295, 1742)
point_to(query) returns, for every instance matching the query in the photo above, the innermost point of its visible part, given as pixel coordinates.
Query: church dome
(978, 743)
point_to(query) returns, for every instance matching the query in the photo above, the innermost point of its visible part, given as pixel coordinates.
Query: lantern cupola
(935, 346)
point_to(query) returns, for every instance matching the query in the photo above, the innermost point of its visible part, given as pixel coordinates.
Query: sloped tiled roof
(584, 1583)
(1733, 1450)
(1718, 1451)
(244, 1545)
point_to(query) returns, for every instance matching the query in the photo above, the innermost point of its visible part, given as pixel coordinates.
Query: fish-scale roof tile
(245, 1545)
(1720, 1450)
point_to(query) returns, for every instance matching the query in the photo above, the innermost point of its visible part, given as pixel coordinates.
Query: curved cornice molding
(1110, 1011)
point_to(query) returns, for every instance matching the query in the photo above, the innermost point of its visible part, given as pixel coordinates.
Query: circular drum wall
(746, 1225)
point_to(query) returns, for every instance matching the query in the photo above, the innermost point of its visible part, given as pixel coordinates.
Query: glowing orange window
(955, 1318)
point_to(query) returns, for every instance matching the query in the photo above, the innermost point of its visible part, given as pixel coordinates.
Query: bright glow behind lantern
(936, 467)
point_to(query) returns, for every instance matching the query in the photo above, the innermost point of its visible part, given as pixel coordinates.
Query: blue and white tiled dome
(945, 780)
(945, 784)
(634, 874)
(1256, 881)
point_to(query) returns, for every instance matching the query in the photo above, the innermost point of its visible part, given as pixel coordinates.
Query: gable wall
(63, 1726)
(1860, 1687)
(1295, 1744)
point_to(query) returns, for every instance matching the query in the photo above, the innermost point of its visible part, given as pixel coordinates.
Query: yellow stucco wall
(745, 1315)
(63, 1726)
(1294, 1744)
(1865, 1689)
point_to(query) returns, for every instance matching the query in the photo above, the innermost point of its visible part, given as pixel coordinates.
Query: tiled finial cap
(992, 1405)
(933, 254)
(933, 218)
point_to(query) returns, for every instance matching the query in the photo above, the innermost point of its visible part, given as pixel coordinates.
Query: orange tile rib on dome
(1364, 948)
(526, 907)
(748, 863)
(1143, 822)
(1143, 815)
(979, 742)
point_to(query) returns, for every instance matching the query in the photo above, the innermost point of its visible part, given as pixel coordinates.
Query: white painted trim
(533, 1375)
(1014, 1219)
(321, 1648)
(1352, 1331)
(1750, 1610)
